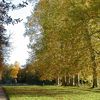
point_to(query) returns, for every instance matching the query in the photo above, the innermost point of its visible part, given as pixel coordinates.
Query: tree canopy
(67, 44)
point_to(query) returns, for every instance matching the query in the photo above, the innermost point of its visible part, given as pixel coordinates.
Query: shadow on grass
(95, 90)
(36, 92)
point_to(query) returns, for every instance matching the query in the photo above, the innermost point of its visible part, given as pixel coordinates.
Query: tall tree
(56, 37)
(82, 13)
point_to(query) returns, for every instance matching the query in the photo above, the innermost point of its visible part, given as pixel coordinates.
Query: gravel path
(2, 94)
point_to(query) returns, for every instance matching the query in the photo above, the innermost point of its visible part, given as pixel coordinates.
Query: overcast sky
(19, 42)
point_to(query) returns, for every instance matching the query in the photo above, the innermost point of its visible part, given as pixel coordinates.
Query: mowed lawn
(51, 93)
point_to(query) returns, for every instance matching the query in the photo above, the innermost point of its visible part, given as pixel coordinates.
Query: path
(2, 94)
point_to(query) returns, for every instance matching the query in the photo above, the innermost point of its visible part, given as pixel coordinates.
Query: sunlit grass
(51, 93)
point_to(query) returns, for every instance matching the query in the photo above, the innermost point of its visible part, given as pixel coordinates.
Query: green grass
(51, 93)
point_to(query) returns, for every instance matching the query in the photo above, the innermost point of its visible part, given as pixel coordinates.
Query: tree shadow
(97, 90)
(36, 92)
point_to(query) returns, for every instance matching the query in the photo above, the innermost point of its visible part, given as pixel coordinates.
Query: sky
(19, 50)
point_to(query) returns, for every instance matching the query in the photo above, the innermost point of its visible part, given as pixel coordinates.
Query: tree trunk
(92, 55)
(58, 81)
(0, 75)
(63, 81)
(66, 80)
(76, 80)
(72, 81)
(1, 72)
(94, 78)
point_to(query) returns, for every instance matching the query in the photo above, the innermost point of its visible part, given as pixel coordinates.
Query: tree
(6, 78)
(3, 37)
(51, 52)
(84, 13)
(14, 71)
(65, 46)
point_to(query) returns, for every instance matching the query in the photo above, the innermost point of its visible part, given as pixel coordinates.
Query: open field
(51, 93)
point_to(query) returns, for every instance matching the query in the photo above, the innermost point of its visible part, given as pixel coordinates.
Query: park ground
(51, 93)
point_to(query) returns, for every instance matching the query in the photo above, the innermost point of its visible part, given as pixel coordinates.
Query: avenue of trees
(67, 45)
(64, 40)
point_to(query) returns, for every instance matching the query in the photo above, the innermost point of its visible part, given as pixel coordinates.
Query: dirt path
(2, 94)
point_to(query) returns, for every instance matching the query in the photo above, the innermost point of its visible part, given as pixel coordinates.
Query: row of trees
(15, 74)
(10, 73)
(68, 44)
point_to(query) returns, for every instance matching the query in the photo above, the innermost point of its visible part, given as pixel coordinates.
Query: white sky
(19, 42)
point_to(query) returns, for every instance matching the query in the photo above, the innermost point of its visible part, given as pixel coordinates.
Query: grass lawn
(51, 93)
